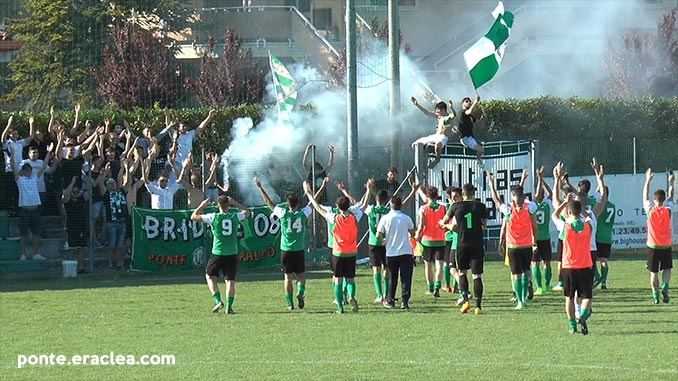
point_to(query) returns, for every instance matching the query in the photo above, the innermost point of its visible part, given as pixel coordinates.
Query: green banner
(167, 240)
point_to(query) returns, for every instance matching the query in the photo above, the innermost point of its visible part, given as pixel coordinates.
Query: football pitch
(132, 314)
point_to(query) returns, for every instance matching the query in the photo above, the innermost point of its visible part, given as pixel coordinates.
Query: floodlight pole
(394, 55)
(351, 97)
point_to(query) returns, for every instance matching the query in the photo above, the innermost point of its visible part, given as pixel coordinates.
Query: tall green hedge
(550, 118)
(545, 118)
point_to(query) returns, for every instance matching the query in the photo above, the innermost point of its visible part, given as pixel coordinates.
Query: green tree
(63, 42)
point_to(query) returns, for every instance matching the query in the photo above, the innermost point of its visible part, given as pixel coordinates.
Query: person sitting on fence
(29, 204)
(467, 121)
(443, 128)
(77, 213)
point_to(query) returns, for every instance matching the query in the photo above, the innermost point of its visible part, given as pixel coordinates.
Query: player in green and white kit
(224, 257)
(377, 250)
(604, 238)
(292, 243)
(543, 253)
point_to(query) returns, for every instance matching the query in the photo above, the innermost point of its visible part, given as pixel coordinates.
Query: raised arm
(205, 122)
(51, 120)
(599, 207)
(43, 168)
(312, 200)
(453, 113)
(646, 187)
(264, 195)
(420, 224)
(495, 196)
(240, 206)
(471, 109)
(556, 185)
(69, 190)
(415, 102)
(195, 216)
(77, 117)
(365, 199)
(524, 177)
(669, 196)
(415, 188)
(212, 177)
(304, 161)
(342, 188)
(539, 192)
(330, 162)
(5, 132)
(320, 190)
(31, 130)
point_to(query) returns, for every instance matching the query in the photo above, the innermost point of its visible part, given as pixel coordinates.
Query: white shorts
(469, 142)
(432, 139)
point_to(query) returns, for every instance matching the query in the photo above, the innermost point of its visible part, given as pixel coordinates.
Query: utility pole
(351, 97)
(394, 59)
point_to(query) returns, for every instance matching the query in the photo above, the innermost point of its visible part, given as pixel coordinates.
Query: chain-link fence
(617, 156)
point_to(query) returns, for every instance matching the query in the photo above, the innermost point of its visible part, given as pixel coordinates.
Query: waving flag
(285, 89)
(484, 57)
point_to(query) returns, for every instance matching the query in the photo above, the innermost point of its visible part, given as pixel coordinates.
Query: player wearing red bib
(659, 257)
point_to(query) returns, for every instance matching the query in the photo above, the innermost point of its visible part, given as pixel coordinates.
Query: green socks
(665, 286)
(585, 313)
(536, 273)
(547, 276)
(288, 298)
(437, 285)
(573, 325)
(386, 285)
(603, 274)
(301, 288)
(446, 275)
(350, 286)
(229, 302)
(217, 297)
(430, 287)
(454, 282)
(526, 285)
(596, 273)
(518, 288)
(339, 297)
(377, 285)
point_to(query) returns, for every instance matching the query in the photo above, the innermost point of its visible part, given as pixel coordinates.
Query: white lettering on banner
(506, 167)
(185, 228)
(626, 193)
(266, 224)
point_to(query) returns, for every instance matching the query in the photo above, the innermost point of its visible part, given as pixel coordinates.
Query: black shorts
(471, 257)
(377, 256)
(604, 249)
(450, 255)
(659, 259)
(543, 252)
(560, 250)
(433, 253)
(29, 219)
(77, 236)
(293, 262)
(579, 281)
(519, 260)
(226, 264)
(343, 267)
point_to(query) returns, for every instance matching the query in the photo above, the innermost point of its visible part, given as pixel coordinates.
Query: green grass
(147, 314)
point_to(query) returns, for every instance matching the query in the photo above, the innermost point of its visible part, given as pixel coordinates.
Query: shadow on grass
(137, 279)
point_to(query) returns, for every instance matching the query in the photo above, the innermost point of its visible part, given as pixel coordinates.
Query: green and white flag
(484, 57)
(285, 90)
